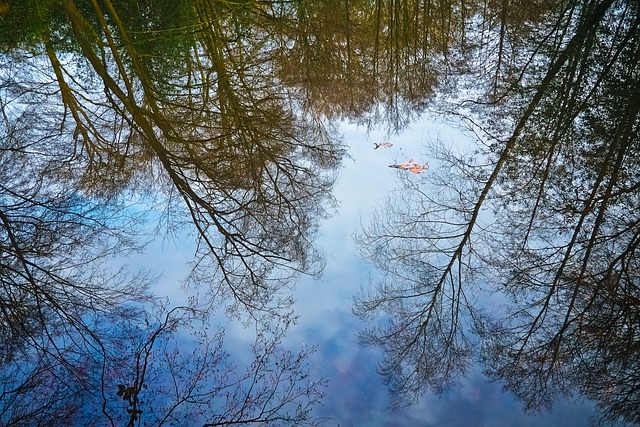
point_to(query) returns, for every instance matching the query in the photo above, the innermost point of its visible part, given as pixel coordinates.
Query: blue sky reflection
(356, 395)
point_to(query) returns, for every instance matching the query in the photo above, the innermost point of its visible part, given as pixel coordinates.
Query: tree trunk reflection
(549, 224)
(219, 113)
(107, 104)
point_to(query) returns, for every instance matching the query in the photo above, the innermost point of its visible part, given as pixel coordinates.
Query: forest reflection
(542, 217)
(111, 107)
(218, 114)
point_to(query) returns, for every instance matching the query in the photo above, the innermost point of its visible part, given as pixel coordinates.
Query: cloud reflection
(357, 395)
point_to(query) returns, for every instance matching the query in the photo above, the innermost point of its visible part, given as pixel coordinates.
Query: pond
(357, 394)
(342, 213)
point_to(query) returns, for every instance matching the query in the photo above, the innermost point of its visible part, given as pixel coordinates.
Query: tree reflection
(594, 352)
(370, 61)
(550, 221)
(166, 385)
(155, 374)
(181, 104)
(54, 293)
(109, 109)
(422, 298)
(211, 127)
(251, 171)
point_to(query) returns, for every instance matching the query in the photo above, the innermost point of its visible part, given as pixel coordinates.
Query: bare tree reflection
(73, 331)
(594, 353)
(53, 291)
(422, 298)
(371, 61)
(110, 109)
(215, 133)
(550, 221)
(155, 375)
(166, 385)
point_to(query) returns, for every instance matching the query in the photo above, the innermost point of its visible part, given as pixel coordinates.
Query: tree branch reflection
(549, 224)
(252, 171)
(111, 110)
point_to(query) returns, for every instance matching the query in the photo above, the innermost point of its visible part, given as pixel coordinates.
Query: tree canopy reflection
(110, 108)
(544, 214)
(214, 111)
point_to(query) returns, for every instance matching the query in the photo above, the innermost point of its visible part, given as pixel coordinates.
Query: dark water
(389, 213)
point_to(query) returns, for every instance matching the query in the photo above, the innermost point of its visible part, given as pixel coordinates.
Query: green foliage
(27, 21)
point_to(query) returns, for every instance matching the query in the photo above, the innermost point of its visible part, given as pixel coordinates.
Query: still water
(347, 213)
(356, 394)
